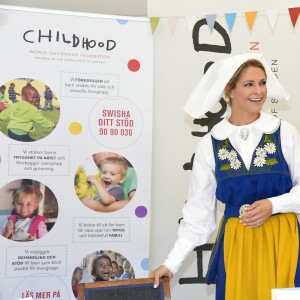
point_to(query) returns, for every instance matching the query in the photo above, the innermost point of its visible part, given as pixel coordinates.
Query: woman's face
(250, 92)
(103, 268)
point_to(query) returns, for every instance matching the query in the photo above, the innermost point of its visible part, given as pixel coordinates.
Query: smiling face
(25, 205)
(102, 268)
(31, 95)
(115, 269)
(111, 174)
(248, 95)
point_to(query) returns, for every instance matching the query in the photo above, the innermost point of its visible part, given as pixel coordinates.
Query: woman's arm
(290, 144)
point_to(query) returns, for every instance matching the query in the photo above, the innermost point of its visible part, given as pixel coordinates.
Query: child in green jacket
(23, 114)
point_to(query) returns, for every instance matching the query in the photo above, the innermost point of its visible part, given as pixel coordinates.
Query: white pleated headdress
(210, 88)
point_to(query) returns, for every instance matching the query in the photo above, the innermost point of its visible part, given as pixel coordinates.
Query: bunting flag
(154, 22)
(230, 19)
(190, 21)
(272, 15)
(210, 20)
(172, 21)
(294, 14)
(250, 18)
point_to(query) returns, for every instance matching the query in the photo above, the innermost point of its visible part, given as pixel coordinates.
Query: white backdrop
(178, 67)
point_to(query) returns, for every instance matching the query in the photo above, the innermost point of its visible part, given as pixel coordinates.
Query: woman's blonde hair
(236, 76)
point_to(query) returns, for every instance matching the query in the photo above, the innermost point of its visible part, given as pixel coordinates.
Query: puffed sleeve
(199, 212)
(290, 144)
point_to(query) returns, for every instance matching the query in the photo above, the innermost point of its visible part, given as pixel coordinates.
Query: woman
(250, 161)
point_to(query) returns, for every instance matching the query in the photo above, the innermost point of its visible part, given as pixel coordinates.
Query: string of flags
(230, 18)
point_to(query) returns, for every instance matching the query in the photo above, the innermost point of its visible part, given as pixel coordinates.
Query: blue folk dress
(246, 263)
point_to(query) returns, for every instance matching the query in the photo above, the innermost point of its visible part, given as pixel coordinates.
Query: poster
(75, 150)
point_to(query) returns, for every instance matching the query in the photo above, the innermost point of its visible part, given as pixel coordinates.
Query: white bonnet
(210, 88)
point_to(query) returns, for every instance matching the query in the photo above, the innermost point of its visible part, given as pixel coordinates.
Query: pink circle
(134, 65)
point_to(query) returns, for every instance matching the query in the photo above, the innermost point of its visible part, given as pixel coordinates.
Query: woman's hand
(160, 272)
(257, 213)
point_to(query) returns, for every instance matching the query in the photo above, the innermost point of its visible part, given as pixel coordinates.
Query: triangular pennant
(250, 17)
(272, 15)
(230, 19)
(154, 23)
(210, 20)
(172, 21)
(294, 14)
(190, 21)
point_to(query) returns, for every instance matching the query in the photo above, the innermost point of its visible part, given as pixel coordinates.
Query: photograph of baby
(28, 210)
(105, 182)
(104, 265)
(29, 110)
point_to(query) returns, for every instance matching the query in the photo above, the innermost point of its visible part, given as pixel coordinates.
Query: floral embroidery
(262, 158)
(270, 148)
(223, 154)
(259, 161)
(232, 155)
(260, 152)
(264, 155)
(232, 161)
(235, 164)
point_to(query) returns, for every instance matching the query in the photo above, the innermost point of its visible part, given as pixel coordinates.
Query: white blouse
(199, 212)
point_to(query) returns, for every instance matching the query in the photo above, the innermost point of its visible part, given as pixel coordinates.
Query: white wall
(110, 7)
(177, 69)
(163, 8)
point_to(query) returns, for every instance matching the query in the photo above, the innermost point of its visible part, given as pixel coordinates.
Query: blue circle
(145, 264)
(123, 22)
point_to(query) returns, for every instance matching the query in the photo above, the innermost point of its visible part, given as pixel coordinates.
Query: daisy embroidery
(223, 154)
(261, 152)
(235, 164)
(270, 148)
(259, 161)
(232, 155)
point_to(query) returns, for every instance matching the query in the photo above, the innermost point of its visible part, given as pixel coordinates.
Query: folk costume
(239, 165)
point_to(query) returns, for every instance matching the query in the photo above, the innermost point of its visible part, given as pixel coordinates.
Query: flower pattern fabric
(264, 154)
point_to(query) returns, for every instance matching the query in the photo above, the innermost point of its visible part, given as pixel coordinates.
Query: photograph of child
(105, 182)
(76, 278)
(101, 268)
(103, 265)
(22, 120)
(25, 221)
(3, 101)
(12, 94)
(49, 96)
(112, 175)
